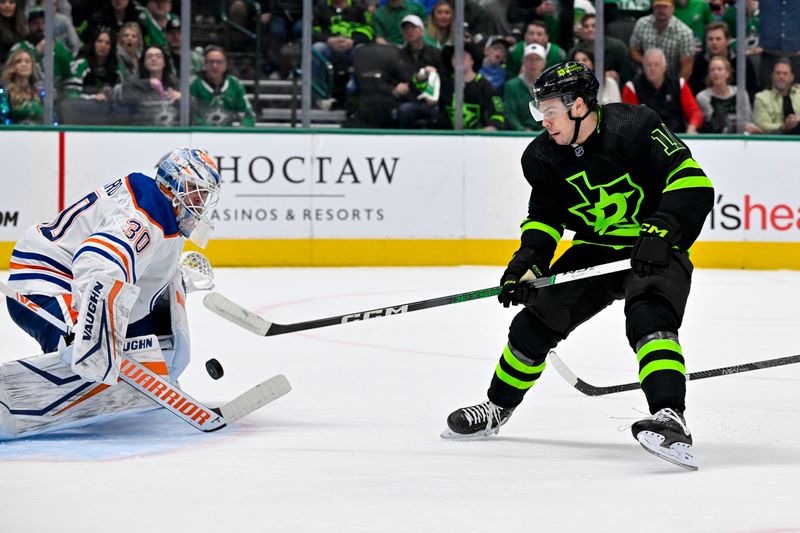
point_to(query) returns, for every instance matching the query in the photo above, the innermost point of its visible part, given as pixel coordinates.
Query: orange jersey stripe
(100, 388)
(111, 297)
(20, 266)
(142, 211)
(116, 251)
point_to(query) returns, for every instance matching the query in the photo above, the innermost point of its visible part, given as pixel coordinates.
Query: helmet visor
(549, 109)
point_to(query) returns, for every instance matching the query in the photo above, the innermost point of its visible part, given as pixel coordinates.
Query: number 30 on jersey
(137, 234)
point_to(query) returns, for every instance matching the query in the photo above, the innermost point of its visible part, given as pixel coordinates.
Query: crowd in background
(391, 63)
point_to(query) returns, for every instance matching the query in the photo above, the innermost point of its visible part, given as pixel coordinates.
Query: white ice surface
(355, 446)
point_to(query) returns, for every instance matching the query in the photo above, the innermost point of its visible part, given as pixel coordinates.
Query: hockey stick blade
(592, 390)
(250, 321)
(255, 398)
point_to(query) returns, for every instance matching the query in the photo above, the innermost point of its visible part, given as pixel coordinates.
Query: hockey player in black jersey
(628, 188)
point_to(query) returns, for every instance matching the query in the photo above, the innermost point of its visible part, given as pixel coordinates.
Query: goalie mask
(190, 179)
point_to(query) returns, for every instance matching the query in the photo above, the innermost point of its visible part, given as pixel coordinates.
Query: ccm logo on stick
(372, 314)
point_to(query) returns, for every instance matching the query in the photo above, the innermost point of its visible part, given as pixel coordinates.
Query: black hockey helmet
(566, 81)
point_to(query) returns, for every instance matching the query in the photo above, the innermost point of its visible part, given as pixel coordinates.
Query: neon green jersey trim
(661, 364)
(687, 163)
(518, 365)
(514, 382)
(688, 183)
(658, 344)
(550, 230)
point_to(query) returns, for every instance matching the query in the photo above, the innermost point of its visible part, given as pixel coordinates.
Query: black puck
(214, 369)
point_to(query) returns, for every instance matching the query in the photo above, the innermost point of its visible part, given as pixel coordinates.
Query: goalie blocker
(100, 330)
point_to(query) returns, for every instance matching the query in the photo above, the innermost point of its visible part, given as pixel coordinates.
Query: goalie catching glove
(196, 272)
(652, 250)
(513, 289)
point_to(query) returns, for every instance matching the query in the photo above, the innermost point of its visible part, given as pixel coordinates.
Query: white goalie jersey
(127, 230)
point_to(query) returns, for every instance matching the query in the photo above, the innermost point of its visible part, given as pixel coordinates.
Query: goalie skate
(666, 435)
(476, 421)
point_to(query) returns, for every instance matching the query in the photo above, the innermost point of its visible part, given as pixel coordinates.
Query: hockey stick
(592, 390)
(169, 396)
(250, 321)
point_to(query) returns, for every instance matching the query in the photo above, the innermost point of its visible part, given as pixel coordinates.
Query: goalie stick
(170, 397)
(592, 390)
(250, 321)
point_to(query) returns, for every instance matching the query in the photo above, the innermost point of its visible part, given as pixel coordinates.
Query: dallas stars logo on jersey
(608, 208)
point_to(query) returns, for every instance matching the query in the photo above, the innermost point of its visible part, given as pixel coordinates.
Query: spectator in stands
(669, 96)
(34, 43)
(218, 98)
(779, 23)
(440, 27)
(718, 101)
(152, 96)
(716, 44)
(663, 31)
(129, 49)
(153, 19)
(536, 32)
(21, 83)
(751, 26)
(418, 60)
(522, 12)
(621, 16)
(776, 109)
(517, 94)
(173, 33)
(476, 22)
(13, 27)
(94, 76)
(697, 15)
(494, 63)
(497, 13)
(388, 18)
(95, 73)
(114, 15)
(617, 60)
(482, 108)
(340, 26)
(63, 30)
(611, 93)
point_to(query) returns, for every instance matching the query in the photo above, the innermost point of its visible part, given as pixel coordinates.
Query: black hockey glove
(514, 291)
(651, 251)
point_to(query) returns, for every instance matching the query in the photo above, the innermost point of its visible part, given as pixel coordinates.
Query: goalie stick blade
(255, 398)
(237, 314)
(170, 397)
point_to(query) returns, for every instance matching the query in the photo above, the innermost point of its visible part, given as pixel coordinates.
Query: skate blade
(451, 435)
(678, 453)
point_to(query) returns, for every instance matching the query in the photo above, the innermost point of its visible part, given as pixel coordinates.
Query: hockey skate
(476, 421)
(666, 435)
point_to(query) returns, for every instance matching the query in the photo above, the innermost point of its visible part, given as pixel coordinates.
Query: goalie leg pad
(100, 330)
(40, 394)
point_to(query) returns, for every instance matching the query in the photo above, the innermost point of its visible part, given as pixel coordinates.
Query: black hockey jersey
(629, 168)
